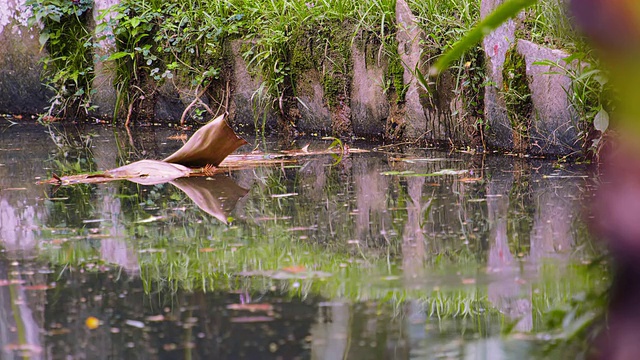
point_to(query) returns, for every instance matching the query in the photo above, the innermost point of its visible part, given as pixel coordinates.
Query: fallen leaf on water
(295, 269)
(92, 323)
(468, 180)
(468, 281)
(38, 287)
(27, 348)
(90, 221)
(155, 318)
(412, 160)
(169, 347)
(275, 196)
(50, 119)
(5, 282)
(251, 307)
(251, 319)
(181, 137)
(149, 219)
(442, 172)
(210, 145)
(152, 250)
(135, 323)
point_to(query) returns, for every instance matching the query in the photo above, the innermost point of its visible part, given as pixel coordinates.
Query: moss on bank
(517, 97)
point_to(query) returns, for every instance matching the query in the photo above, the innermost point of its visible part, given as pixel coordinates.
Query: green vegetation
(189, 45)
(517, 97)
(68, 41)
(158, 40)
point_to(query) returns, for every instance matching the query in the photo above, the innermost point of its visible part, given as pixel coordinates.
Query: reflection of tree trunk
(18, 226)
(551, 233)
(413, 239)
(416, 332)
(19, 331)
(504, 292)
(331, 333)
(313, 180)
(371, 195)
(114, 249)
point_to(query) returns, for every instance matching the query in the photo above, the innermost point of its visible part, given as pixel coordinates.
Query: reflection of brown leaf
(251, 307)
(208, 146)
(216, 195)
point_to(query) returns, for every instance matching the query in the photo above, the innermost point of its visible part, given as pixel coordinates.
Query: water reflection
(216, 195)
(368, 265)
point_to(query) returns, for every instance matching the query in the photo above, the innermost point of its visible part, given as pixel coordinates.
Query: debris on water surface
(206, 153)
(155, 318)
(443, 172)
(251, 319)
(5, 282)
(25, 350)
(92, 323)
(251, 307)
(135, 323)
(38, 287)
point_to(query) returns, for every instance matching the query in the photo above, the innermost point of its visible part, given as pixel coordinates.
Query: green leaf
(135, 22)
(44, 37)
(601, 121)
(499, 16)
(120, 54)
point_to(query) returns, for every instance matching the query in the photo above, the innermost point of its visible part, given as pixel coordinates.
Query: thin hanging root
(193, 103)
(226, 99)
(129, 112)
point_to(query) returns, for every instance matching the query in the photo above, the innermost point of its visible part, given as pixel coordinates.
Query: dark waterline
(327, 258)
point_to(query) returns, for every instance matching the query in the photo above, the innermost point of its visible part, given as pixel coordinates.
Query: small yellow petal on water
(92, 322)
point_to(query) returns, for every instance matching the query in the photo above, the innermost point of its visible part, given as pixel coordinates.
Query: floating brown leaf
(208, 146)
(149, 172)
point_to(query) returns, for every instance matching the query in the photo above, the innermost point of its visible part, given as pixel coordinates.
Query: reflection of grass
(180, 248)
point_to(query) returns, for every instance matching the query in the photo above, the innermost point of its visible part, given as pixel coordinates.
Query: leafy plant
(69, 67)
(590, 94)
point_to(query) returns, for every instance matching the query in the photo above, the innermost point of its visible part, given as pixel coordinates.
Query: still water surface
(322, 258)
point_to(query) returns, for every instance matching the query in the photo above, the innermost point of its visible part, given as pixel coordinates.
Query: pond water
(388, 254)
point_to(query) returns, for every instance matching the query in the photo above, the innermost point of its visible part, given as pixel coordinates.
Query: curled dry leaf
(209, 145)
